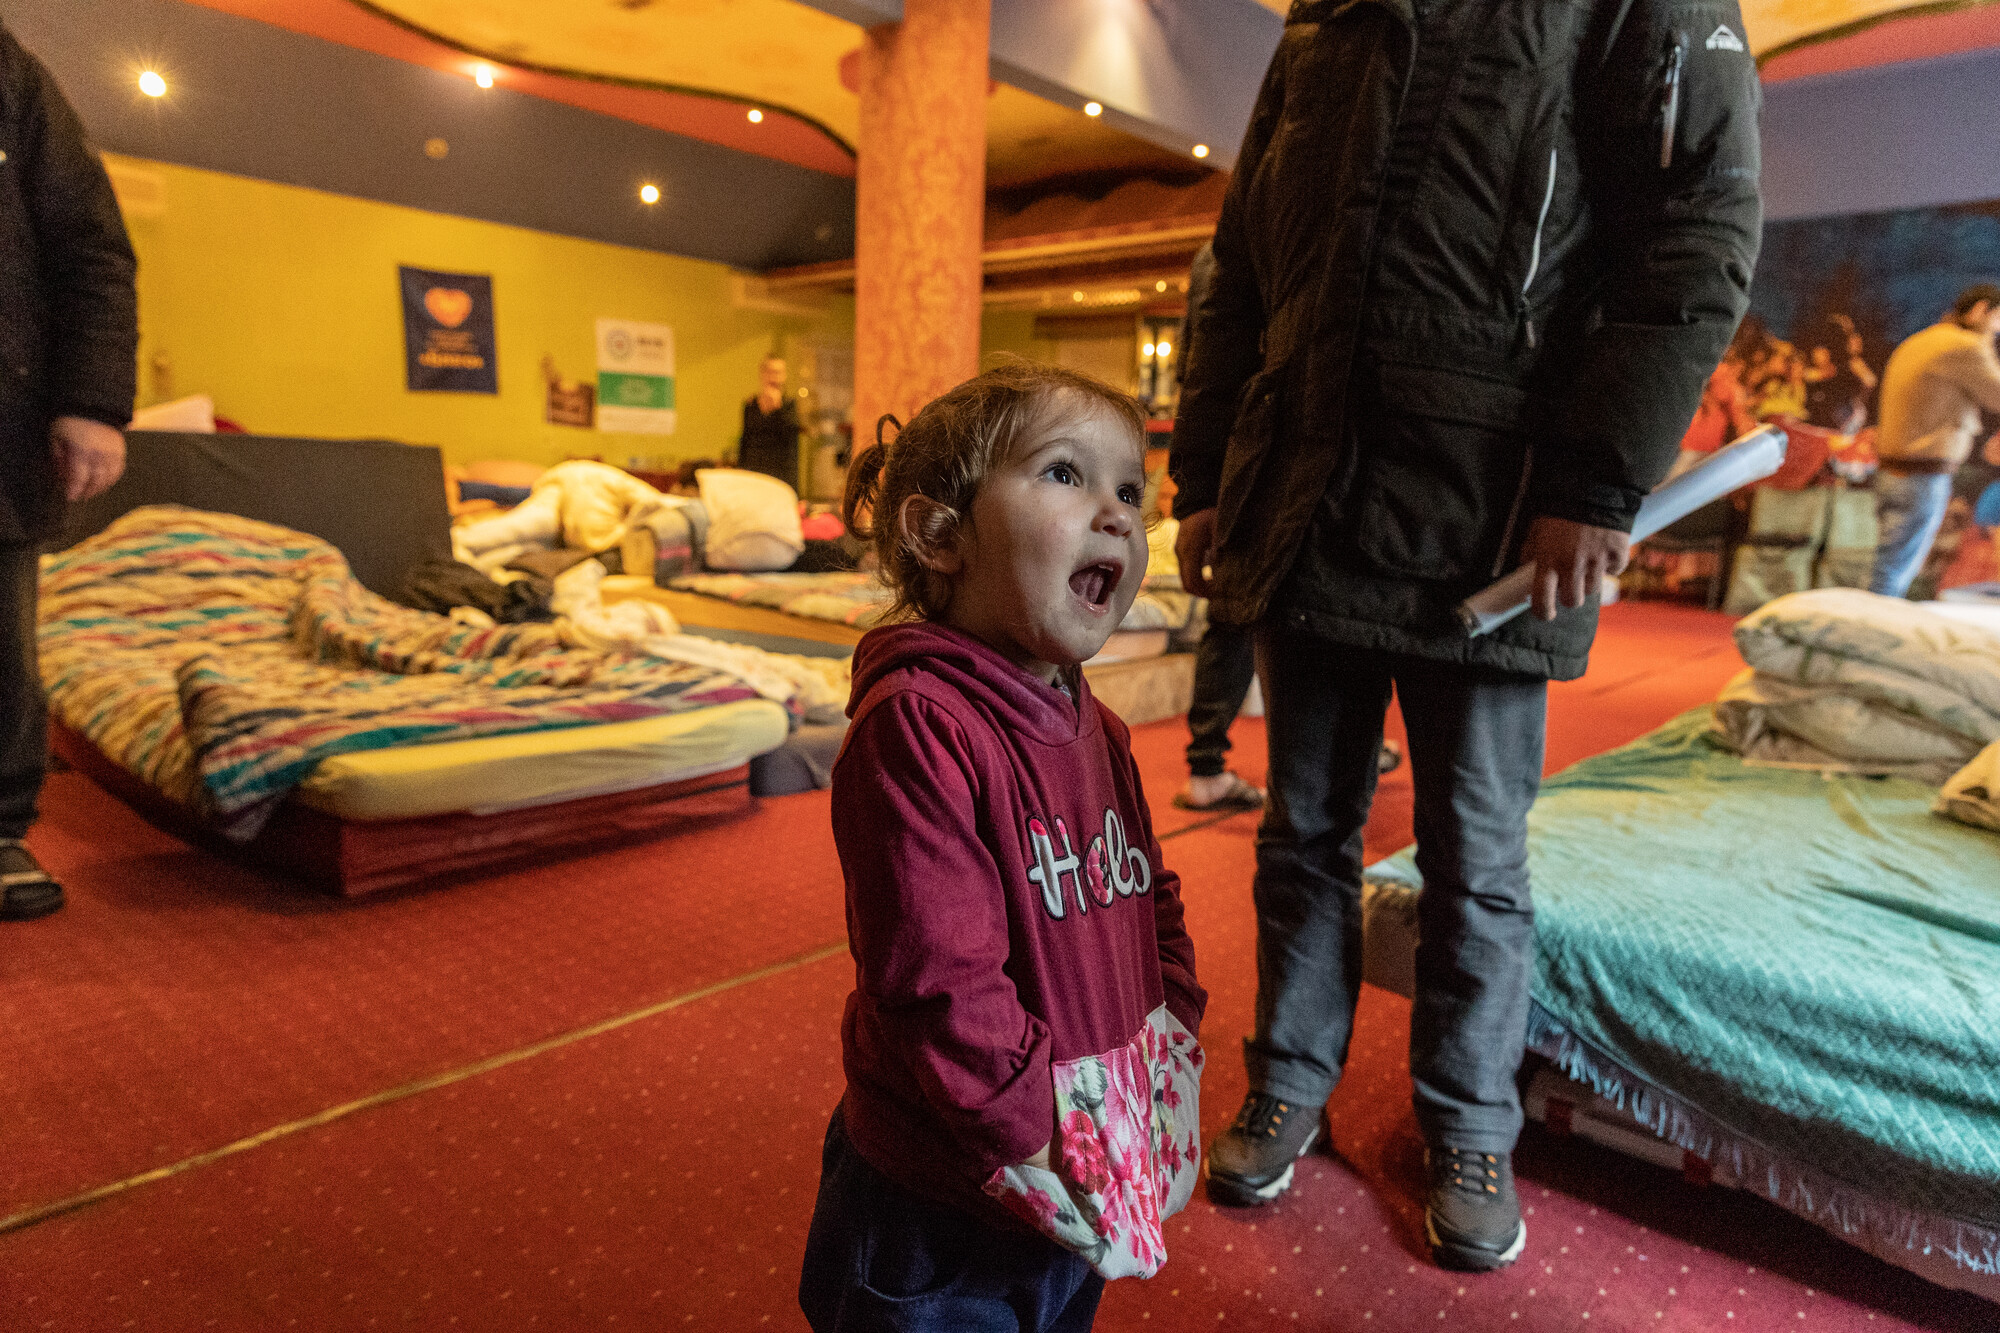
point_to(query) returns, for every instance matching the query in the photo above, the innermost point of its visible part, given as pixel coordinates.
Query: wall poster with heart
(448, 342)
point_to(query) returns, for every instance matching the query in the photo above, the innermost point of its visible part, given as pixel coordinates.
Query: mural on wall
(448, 341)
(1891, 274)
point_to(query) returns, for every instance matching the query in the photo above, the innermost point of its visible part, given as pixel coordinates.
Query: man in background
(69, 336)
(770, 442)
(1932, 392)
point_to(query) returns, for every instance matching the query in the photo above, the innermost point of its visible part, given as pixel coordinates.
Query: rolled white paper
(1752, 458)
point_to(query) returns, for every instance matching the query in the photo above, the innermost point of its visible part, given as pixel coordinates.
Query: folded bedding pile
(858, 599)
(223, 660)
(1806, 964)
(1842, 680)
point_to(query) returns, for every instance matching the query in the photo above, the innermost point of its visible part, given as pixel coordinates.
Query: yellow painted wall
(282, 303)
(1013, 331)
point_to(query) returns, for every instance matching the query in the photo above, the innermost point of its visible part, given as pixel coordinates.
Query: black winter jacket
(1462, 279)
(69, 331)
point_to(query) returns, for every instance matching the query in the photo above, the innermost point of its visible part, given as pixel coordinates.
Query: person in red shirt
(1021, 1112)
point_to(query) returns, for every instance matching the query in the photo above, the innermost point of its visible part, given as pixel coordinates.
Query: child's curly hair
(945, 453)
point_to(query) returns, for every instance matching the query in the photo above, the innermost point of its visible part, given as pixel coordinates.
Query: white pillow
(753, 520)
(195, 414)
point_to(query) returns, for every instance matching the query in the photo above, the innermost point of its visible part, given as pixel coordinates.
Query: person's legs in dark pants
(882, 1260)
(25, 891)
(1476, 743)
(1324, 709)
(1224, 666)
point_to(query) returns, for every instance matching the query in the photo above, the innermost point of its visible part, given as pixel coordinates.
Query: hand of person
(1194, 548)
(89, 455)
(1571, 560)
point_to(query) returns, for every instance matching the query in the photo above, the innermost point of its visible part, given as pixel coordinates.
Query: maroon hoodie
(1006, 906)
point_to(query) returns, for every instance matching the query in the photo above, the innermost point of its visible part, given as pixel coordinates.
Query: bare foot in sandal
(1223, 791)
(26, 890)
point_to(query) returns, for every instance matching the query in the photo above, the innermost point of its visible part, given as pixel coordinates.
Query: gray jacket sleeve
(1680, 242)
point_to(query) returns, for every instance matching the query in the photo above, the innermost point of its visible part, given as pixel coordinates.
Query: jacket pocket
(1126, 1151)
(1250, 444)
(1443, 460)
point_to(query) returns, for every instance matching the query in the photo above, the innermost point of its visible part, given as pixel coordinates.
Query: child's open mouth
(1095, 583)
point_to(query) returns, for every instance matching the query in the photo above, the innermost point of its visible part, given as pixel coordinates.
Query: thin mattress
(491, 774)
(1806, 961)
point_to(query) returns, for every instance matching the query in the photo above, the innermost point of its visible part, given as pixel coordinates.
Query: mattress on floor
(1813, 962)
(490, 774)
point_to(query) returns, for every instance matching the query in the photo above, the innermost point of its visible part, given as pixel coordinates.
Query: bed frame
(353, 857)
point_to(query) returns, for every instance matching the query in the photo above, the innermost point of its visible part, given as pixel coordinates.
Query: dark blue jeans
(880, 1259)
(1224, 666)
(1476, 756)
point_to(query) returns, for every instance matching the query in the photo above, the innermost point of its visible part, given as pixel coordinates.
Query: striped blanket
(221, 659)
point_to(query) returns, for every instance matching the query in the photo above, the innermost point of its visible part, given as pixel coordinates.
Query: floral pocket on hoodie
(1126, 1152)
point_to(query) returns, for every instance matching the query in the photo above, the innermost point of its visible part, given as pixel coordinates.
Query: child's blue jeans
(882, 1260)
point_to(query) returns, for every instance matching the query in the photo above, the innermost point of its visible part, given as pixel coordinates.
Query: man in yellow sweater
(1932, 392)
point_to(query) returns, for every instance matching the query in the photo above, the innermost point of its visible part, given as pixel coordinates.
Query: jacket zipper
(1514, 513)
(1670, 98)
(1535, 247)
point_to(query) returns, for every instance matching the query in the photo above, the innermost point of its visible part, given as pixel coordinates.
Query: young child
(1022, 1065)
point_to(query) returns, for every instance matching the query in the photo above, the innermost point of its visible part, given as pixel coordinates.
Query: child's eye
(1130, 495)
(1062, 473)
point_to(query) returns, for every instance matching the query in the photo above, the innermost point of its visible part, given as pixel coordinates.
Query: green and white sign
(635, 377)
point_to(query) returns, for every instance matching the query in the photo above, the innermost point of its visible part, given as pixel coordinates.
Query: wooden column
(920, 203)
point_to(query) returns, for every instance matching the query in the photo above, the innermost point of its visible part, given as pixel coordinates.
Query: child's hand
(1041, 1157)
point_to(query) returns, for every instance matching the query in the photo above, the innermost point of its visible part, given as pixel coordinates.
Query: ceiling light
(1093, 108)
(1201, 150)
(1076, 296)
(756, 116)
(483, 75)
(1147, 350)
(649, 193)
(1166, 349)
(1160, 286)
(152, 84)
(436, 149)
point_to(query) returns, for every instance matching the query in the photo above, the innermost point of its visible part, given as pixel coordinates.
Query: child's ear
(930, 530)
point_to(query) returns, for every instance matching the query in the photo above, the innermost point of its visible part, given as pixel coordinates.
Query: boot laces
(1262, 1115)
(1474, 1172)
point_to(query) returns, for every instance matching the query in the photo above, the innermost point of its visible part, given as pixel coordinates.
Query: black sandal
(26, 890)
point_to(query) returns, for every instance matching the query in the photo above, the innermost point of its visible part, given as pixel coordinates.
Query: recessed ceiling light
(435, 149)
(483, 75)
(649, 193)
(1160, 286)
(1147, 350)
(756, 116)
(1093, 108)
(1076, 296)
(152, 84)
(1165, 349)
(1201, 150)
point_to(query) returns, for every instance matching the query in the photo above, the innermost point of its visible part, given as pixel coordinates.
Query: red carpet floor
(660, 1174)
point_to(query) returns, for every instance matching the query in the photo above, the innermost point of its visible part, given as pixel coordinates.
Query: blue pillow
(486, 490)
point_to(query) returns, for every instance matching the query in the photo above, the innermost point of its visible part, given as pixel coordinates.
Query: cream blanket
(1850, 681)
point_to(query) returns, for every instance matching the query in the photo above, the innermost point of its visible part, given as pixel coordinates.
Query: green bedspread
(1813, 962)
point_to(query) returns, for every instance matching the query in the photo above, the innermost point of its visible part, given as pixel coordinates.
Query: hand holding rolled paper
(1751, 458)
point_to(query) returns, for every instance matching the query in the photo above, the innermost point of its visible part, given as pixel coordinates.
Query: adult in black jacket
(1475, 264)
(68, 343)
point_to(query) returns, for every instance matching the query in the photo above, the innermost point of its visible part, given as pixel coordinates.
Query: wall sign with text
(448, 341)
(635, 377)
